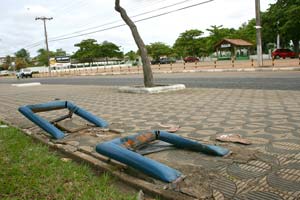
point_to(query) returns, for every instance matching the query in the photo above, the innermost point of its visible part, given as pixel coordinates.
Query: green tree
(42, 57)
(131, 55)
(7, 62)
(108, 50)
(87, 52)
(60, 52)
(269, 32)
(189, 43)
(158, 49)
(247, 31)
(23, 54)
(20, 63)
(283, 16)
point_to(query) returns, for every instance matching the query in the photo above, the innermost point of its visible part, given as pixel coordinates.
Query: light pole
(258, 34)
(46, 38)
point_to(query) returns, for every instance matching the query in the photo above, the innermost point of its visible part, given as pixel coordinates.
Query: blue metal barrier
(30, 110)
(117, 149)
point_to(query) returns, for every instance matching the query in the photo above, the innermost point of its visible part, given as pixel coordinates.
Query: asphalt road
(234, 80)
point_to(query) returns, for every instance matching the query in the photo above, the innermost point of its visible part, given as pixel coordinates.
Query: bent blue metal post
(30, 110)
(116, 150)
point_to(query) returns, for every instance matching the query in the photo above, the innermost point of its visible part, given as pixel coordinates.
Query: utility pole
(258, 33)
(46, 38)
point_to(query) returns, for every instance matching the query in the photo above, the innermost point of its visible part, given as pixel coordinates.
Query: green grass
(28, 170)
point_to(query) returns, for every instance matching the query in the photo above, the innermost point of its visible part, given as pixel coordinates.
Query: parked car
(4, 73)
(24, 73)
(162, 61)
(191, 59)
(283, 53)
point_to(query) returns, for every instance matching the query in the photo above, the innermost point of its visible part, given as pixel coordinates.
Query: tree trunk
(296, 47)
(148, 76)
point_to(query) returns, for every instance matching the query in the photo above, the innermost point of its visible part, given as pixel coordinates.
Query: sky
(19, 29)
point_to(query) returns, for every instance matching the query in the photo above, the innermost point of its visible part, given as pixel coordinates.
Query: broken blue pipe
(115, 149)
(30, 110)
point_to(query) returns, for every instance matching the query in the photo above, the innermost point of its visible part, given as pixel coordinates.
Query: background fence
(170, 68)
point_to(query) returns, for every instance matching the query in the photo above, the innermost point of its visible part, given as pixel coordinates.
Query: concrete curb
(152, 90)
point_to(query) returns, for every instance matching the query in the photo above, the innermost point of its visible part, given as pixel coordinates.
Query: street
(226, 80)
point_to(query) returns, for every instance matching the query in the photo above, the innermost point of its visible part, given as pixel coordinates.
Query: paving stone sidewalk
(267, 169)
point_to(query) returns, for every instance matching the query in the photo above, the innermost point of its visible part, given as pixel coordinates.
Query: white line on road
(26, 84)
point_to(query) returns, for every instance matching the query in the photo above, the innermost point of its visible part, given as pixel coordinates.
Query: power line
(91, 28)
(112, 22)
(120, 25)
(69, 11)
(144, 19)
(34, 44)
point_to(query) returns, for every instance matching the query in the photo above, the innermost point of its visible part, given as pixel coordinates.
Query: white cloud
(36, 10)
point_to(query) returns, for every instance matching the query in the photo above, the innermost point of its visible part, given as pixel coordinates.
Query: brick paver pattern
(269, 118)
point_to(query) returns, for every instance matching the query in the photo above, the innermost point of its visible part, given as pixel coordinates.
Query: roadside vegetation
(192, 42)
(28, 170)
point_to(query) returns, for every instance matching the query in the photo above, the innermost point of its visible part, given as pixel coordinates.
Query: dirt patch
(196, 182)
(240, 154)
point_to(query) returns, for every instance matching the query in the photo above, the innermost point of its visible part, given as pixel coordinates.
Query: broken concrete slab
(86, 149)
(180, 159)
(69, 148)
(73, 143)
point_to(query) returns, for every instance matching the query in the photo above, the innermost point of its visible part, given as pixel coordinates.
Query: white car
(4, 73)
(24, 73)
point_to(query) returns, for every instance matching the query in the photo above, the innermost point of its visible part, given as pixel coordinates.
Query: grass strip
(29, 170)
